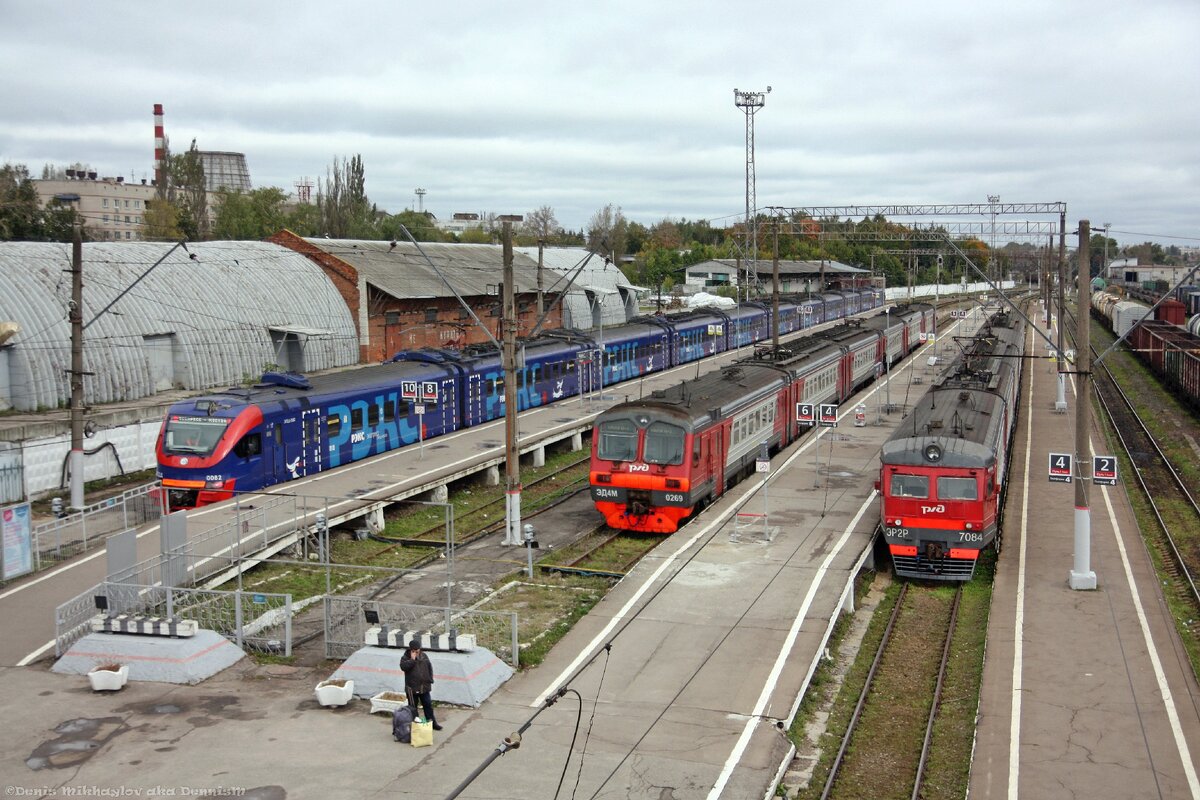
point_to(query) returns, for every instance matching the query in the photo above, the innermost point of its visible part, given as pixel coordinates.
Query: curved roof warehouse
(214, 315)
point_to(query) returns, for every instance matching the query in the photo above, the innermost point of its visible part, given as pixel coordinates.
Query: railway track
(891, 728)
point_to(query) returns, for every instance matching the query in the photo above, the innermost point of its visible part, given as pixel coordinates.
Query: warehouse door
(160, 359)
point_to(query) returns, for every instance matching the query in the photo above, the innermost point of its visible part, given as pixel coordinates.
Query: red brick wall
(344, 276)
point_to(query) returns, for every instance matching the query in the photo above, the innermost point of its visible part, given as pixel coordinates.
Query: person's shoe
(437, 727)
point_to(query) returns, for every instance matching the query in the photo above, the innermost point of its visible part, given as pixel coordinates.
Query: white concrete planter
(107, 680)
(388, 704)
(330, 694)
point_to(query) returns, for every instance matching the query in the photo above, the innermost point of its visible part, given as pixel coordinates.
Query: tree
(606, 232)
(188, 191)
(22, 217)
(542, 225)
(345, 210)
(161, 221)
(418, 223)
(253, 215)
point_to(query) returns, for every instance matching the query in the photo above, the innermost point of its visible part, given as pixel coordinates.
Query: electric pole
(1081, 576)
(540, 296)
(512, 452)
(75, 314)
(775, 289)
(1060, 400)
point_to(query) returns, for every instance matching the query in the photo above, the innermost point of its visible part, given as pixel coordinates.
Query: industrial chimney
(160, 149)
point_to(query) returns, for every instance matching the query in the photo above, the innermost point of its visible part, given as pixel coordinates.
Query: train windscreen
(193, 434)
(910, 486)
(957, 489)
(664, 444)
(618, 441)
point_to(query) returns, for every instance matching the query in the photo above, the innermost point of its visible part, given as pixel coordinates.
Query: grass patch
(547, 609)
(308, 580)
(604, 552)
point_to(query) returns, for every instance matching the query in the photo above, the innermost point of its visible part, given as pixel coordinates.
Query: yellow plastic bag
(422, 733)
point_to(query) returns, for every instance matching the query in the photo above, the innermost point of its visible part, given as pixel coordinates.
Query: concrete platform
(462, 679)
(1085, 693)
(153, 658)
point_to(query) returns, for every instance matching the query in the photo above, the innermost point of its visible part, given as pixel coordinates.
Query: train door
(475, 399)
(311, 451)
(716, 455)
(287, 439)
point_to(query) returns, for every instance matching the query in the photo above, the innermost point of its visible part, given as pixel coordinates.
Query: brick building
(398, 302)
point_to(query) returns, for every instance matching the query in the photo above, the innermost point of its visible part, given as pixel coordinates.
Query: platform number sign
(408, 390)
(1104, 470)
(805, 413)
(829, 415)
(1060, 467)
(429, 390)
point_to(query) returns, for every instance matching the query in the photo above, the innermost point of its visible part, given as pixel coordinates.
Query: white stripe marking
(1014, 740)
(784, 651)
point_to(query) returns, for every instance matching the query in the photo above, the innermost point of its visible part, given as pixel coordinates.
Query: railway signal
(1104, 470)
(1060, 467)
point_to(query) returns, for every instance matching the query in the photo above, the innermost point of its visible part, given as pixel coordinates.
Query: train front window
(618, 441)
(910, 486)
(664, 444)
(957, 489)
(193, 434)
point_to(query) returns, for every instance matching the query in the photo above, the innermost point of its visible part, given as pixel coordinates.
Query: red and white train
(657, 460)
(942, 471)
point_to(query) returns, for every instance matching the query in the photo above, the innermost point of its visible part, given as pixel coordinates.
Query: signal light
(603, 477)
(672, 483)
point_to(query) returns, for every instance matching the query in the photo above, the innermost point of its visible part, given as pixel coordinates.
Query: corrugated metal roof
(192, 322)
(578, 311)
(729, 265)
(402, 271)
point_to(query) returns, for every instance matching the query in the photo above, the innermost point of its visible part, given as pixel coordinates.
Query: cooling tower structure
(225, 171)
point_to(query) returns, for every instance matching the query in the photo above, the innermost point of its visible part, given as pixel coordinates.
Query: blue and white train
(289, 426)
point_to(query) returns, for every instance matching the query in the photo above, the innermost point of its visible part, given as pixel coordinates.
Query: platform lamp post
(1082, 577)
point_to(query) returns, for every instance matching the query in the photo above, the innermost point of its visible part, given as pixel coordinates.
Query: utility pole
(75, 314)
(540, 296)
(1081, 576)
(512, 452)
(1060, 401)
(775, 289)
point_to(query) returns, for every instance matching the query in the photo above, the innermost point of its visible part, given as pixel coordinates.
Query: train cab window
(334, 424)
(910, 486)
(373, 415)
(618, 441)
(664, 444)
(249, 445)
(957, 489)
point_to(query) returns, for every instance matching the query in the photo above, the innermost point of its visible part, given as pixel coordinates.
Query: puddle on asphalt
(78, 739)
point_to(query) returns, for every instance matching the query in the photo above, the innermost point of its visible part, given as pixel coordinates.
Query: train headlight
(933, 453)
(214, 484)
(899, 522)
(969, 526)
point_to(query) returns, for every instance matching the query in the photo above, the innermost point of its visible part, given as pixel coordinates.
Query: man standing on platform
(418, 680)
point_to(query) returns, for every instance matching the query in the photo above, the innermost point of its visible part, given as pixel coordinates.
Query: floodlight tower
(750, 103)
(420, 193)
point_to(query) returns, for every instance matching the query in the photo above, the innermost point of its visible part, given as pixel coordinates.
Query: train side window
(389, 411)
(373, 415)
(334, 424)
(697, 449)
(356, 419)
(249, 445)
(278, 434)
(910, 486)
(957, 489)
(558, 368)
(498, 386)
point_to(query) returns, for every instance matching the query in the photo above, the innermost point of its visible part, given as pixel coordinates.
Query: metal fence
(12, 482)
(74, 533)
(346, 625)
(252, 620)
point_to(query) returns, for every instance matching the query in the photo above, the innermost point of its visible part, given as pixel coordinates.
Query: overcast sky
(507, 106)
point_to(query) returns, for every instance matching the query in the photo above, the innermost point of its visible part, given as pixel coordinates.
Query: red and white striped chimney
(160, 147)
